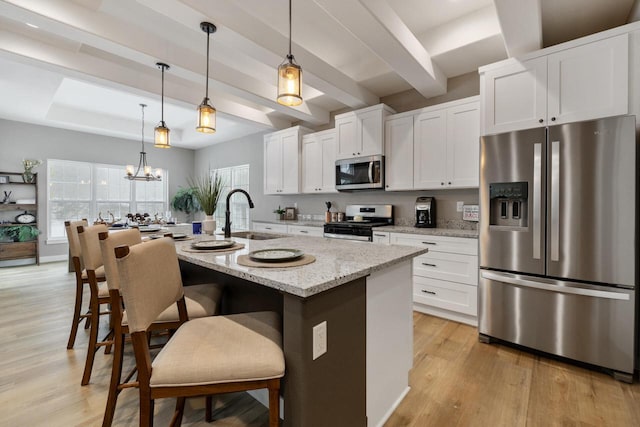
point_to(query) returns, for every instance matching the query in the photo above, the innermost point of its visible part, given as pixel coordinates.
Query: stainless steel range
(360, 221)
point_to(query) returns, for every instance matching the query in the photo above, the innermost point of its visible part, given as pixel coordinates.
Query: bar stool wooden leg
(274, 403)
(93, 339)
(76, 315)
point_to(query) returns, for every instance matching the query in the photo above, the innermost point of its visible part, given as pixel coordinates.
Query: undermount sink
(252, 235)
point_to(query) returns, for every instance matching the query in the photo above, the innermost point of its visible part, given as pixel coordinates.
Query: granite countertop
(448, 232)
(337, 262)
(308, 223)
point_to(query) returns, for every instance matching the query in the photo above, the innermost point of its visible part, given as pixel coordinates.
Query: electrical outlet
(319, 339)
(459, 206)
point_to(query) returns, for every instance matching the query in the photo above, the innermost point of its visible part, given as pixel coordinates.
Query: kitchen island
(364, 294)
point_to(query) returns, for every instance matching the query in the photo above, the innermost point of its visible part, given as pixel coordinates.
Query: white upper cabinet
(282, 151)
(399, 153)
(318, 162)
(585, 82)
(430, 147)
(434, 148)
(361, 133)
(463, 146)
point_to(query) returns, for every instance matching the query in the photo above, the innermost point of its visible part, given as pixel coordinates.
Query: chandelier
(143, 173)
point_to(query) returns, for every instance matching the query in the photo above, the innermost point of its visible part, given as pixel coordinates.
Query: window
(232, 178)
(79, 190)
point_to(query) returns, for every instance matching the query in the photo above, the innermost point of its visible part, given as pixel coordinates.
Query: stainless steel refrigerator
(558, 241)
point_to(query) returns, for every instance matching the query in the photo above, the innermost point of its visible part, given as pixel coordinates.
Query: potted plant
(185, 201)
(279, 213)
(206, 190)
(18, 233)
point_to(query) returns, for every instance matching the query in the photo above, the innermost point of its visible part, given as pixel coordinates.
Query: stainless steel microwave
(360, 173)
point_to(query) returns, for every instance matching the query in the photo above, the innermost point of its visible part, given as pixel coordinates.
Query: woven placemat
(233, 248)
(248, 262)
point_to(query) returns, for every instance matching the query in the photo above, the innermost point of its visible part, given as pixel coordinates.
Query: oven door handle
(514, 280)
(371, 172)
(347, 237)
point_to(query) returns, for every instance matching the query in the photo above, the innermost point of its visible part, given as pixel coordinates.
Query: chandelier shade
(289, 77)
(144, 172)
(206, 113)
(162, 132)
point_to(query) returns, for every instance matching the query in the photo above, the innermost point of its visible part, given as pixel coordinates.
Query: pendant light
(289, 77)
(162, 131)
(143, 173)
(206, 113)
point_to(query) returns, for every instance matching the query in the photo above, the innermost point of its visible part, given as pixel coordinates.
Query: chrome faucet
(227, 213)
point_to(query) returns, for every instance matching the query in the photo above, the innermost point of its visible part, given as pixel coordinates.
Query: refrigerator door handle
(555, 201)
(514, 280)
(537, 183)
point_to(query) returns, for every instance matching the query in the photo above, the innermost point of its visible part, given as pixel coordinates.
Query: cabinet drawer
(447, 266)
(447, 295)
(457, 245)
(301, 230)
(269, 228)
(17, 250)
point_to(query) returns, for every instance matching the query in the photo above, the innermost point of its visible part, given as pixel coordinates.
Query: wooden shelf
(17, 207)
(19, 250)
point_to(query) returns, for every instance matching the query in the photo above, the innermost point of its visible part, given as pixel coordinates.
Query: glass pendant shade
(289, 83)
(206, 113)
(206, 117)
(162, 136)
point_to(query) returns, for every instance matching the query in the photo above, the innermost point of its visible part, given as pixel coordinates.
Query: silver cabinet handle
(428, 292)
(379, 235)
(267, 228)
(540, 284)
(429, 265)
(555, 201)
(429, 243)
(537, 185)
(303, 231)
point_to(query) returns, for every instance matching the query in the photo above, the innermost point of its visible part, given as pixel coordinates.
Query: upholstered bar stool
(201, 301)
(93, 266)
(75, 251)
(225, 353)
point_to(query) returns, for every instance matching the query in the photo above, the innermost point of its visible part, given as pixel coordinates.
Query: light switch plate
(319, 339)
(459, 206)
(471, 213)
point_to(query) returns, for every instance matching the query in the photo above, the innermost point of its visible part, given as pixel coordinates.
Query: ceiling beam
(124, 40)
(264, 41)
(86, 67)
(380, 28)
(521, 24)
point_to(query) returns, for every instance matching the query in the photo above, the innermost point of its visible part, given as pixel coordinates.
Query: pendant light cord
(290, 30)
(142, 141)
(162, 103)
(207, 80)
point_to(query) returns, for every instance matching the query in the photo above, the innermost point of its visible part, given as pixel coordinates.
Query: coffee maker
(425, 212)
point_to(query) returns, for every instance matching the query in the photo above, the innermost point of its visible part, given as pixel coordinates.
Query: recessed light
(32, 25)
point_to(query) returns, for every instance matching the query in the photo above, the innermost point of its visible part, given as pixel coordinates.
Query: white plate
(213, 244)
(149, 229)
(275, 255)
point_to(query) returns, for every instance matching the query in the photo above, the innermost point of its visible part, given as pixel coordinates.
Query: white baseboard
(53, 258)
(446, 314)
(393, 407)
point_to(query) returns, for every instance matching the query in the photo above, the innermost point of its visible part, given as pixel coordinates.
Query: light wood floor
(456, 381)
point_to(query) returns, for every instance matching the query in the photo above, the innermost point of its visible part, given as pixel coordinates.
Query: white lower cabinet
(445, 279)
(305, 230)
(269, 227)
(381, 237)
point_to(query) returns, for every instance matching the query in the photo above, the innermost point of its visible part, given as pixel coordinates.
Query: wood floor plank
(455, 381)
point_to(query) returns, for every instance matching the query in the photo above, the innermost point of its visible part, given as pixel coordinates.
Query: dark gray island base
(364, 372)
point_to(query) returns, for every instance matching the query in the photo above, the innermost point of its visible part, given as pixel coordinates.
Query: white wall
(21, 140)
(250, 150)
